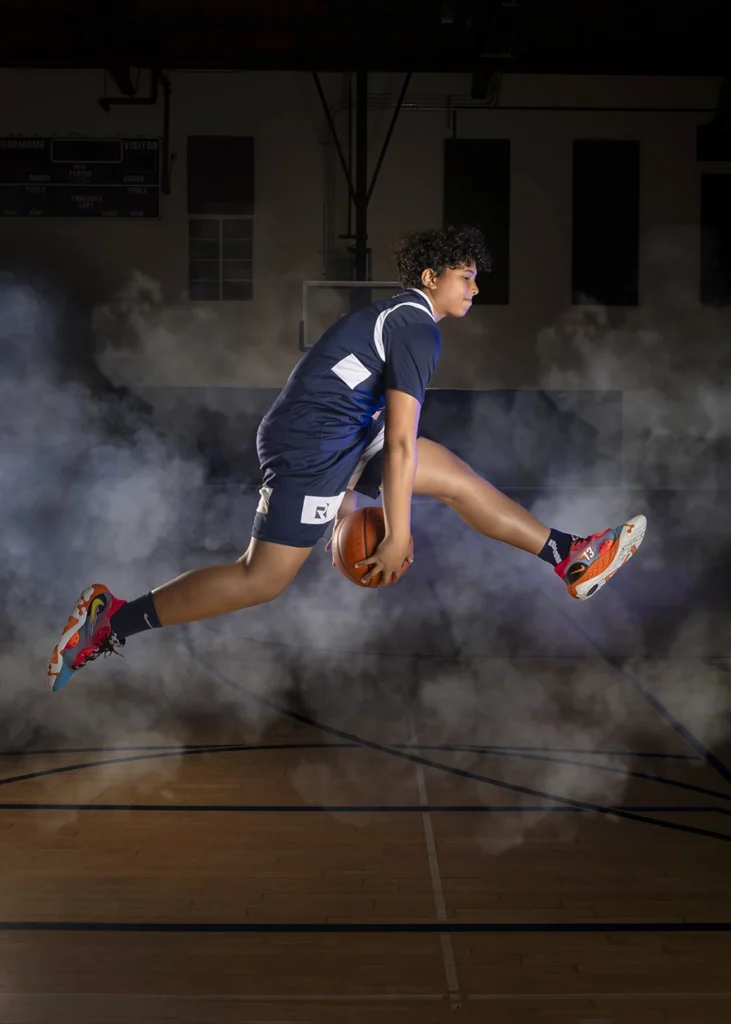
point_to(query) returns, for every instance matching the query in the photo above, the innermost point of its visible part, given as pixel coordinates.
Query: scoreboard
(80, 177)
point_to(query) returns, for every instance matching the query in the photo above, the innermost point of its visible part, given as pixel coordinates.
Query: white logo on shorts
(316, 510)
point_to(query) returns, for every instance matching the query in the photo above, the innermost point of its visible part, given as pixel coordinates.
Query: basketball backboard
(324, 302)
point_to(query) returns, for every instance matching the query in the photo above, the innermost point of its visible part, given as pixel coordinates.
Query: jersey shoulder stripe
(381, 323)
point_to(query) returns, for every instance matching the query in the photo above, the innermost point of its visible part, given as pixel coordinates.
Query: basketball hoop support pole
(360, 191)
(360, 248)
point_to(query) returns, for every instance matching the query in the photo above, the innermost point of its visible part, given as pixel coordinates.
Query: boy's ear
(428, 278)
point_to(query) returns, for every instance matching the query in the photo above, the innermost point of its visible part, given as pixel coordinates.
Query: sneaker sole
(76, 622)
(632, 535)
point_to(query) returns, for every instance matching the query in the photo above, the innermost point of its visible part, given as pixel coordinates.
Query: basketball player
(324, 437)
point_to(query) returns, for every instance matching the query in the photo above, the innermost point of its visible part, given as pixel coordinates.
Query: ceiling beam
(500, 39)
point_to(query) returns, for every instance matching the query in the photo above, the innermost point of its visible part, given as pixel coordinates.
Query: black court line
(563, 750)
(682, 730)
(158, 756)
(173, 752)
(444, 656)
(354, 808)
(367, 927)
(428, 763)
(608, 769)
(470, 747)
(721, 663)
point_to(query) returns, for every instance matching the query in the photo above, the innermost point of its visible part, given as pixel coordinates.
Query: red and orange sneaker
(86, 635)
(592, 561)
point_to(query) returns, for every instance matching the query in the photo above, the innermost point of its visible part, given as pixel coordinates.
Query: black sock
(135, 617)
(557, 547)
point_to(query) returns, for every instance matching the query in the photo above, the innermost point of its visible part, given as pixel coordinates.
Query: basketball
(356, 538)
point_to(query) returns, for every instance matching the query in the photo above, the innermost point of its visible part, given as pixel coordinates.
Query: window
(606, 222)
(716, 239)
(221, 218)
(220, 259)
(477, 191)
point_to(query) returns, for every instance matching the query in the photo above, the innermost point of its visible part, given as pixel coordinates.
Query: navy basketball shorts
(303, 489)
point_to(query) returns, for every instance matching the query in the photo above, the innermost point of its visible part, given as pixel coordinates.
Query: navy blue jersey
(332, 394)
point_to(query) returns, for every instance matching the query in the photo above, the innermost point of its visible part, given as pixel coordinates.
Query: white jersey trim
(371, 449)
(418, 291)
(378, 329)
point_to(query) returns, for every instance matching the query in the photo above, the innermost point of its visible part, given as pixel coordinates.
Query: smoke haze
(478, 644)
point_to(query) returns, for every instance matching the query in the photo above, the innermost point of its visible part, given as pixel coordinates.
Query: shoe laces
(107, 646)
(604, 546)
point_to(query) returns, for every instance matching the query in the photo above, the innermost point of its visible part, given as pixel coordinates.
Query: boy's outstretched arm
(348, 504)
(399, 468)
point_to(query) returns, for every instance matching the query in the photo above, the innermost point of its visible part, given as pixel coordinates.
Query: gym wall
(552, 229)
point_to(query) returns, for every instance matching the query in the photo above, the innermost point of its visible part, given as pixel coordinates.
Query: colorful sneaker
(592, 561)
(87, 634)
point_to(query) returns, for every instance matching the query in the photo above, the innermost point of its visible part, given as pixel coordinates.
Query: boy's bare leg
(442, 475)
(260, 575)
(584, 564)
(101, 622)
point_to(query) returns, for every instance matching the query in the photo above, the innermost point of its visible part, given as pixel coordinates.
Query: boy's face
(453, 290)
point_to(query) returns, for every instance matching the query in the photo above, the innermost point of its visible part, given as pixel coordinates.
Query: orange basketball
(357, 537)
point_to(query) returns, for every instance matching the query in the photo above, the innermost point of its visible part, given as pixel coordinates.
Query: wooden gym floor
(512, 814)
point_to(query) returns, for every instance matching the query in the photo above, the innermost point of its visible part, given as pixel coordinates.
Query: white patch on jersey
(371, 449)
(264, 499)
(378, 329)
(352, 371)
(317, 510)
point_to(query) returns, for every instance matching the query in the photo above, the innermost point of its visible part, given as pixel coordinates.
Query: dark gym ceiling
(638, 37)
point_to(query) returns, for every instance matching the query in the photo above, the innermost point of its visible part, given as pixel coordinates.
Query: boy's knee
(261, 581)
(457, 485)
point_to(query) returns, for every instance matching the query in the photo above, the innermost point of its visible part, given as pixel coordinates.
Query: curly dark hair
(437, 250)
